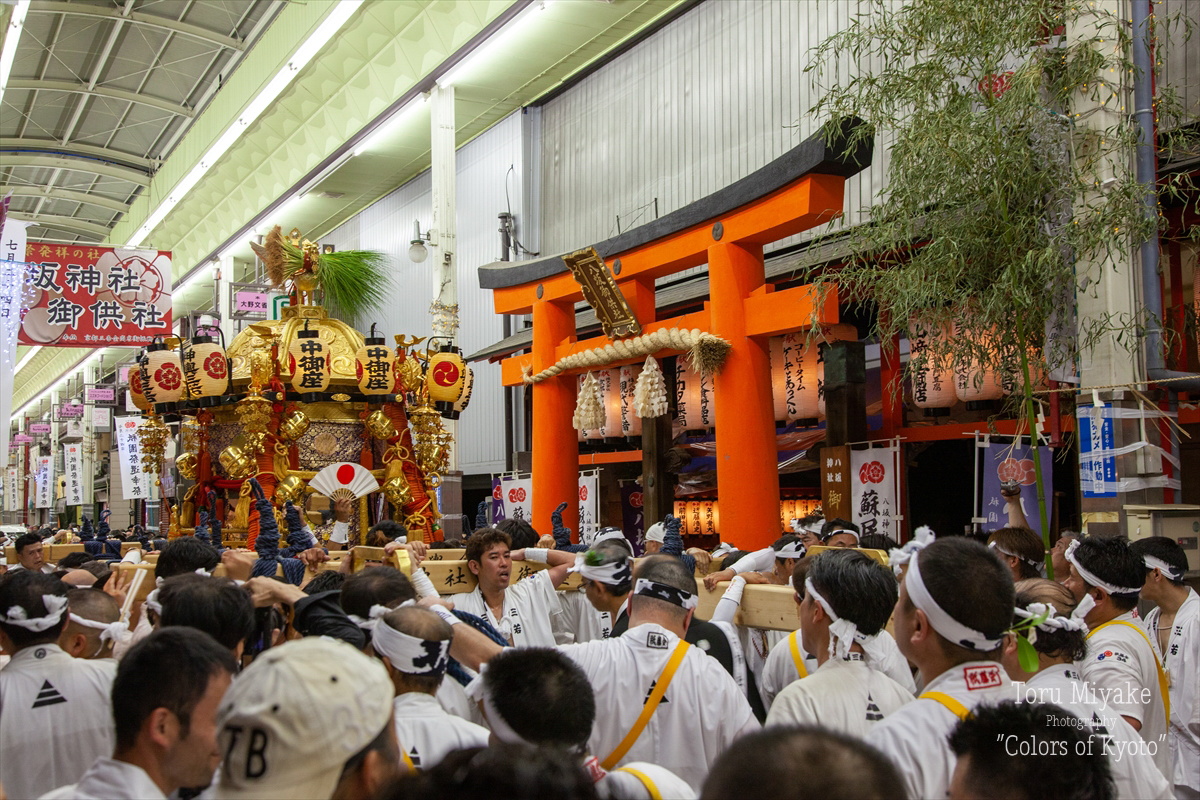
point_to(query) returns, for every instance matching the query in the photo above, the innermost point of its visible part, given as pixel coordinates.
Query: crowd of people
(955, 669)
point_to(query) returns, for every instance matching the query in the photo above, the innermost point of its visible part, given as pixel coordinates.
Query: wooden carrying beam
(454, 577)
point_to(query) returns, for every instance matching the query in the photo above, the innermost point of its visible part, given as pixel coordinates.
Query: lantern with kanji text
(205, 370)
(374, 366)
(162, 376)
(308, 358)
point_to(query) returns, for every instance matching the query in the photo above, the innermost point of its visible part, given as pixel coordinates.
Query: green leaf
(1026, 655)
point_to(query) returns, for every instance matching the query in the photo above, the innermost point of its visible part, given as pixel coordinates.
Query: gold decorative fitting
(397, 492)
(235, 462)
(187, 465)
(380, 426)
(291, 489)
(294, 426)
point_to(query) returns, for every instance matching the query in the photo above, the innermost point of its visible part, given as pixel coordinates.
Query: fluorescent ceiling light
(488, 48)
(200, 275)
(58, 383)
(388, 128)
(33, 351)
(331, 25)
(12, 37)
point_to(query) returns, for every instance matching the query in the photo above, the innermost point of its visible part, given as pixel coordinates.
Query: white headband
(410, 654)
(722, 549)
(151, 601)
(1053, 621)
(841, 530)
(1166, 569)
(794, 549)
(843, 633)
(109, 631)
(1091, 578)
(899, 556)
(943, 623)
(372, 621)
(56, 607)
(656, 533)
(996, 546)
(610, 574)
(477, 690)
(608, 533)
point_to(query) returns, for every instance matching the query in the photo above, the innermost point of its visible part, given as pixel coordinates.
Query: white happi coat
(525, 617)
(700, 716)
(580, 621)
(454, 701)
(914, 737)
(846, 696)
(1182, 663)
(110, 780)
(1119, 664)
(1133, 769)
(426, 733)
(55, 719)
(781, 669)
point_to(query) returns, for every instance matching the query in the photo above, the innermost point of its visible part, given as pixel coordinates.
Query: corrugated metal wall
(1181, 65)
(712, 97)
(483, 173)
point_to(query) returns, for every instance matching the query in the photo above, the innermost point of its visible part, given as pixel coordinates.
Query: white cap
(291, 721)
(656, 533)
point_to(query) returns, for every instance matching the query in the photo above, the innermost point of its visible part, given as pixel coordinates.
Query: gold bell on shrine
(397, 492)
(291, 489)
(187, 465)
(380, 426)
(294, 426)
(235, 462)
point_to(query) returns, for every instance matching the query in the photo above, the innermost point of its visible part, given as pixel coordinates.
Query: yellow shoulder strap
(797, 656)
(953, 706)
(656, 696)
(655, 794)
(1163, 687)
(408, 763)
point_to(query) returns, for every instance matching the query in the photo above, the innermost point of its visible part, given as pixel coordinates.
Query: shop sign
(95, 296)
(65, 412)
(1097, 462)
(39, 427)
(22, 438)
(253, 302)
(100, 397)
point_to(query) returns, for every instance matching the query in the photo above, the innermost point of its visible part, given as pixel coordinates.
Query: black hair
(519, 531)
(971, 584)
(1111, 559)
(485, 539)
(390, 528)
(1023, 751)
(94, 605)
(1054, 643)
(543, 695)
(784, 541)
(514, 772)
(803, 763)
(24, 588)
(732, 558)
(613, 551)
(450, 544)
(669, 571)
(266, 622)
(837, 524)
(375, 586)
(185, 554)
(25, 540)
(799, 573)
(857, 587)
(328, 581)
(1027, 547)
(74, 561)
(169, 669)
(1164, 549)
(878, 541)
(217, 606)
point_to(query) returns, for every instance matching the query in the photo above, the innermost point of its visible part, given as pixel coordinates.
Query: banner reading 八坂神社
(90, 296)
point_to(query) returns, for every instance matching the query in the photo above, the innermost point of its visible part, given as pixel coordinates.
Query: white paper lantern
(779, 387)
(973, 380)
(631, 423)
(610, 390)
(694, 408)
(932, 385)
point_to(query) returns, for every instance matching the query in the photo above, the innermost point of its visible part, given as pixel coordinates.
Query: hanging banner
(512, 498)
(44, 481)
(1003, 462)
(95, 296)
(875, 490)
(15, 293)
(73, 472)
(835, 482)
(135, 484)
(12, 489)
(1097, 471)
(633, 518)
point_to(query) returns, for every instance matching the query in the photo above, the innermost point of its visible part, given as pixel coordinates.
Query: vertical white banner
(874, 490)
(12, 489)
(44, 479)
(73, 471)
(12, 274)
(135, 484)
(589, 507)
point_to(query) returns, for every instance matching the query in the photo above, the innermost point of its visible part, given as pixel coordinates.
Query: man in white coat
(1059, 641)
(164, 701)
(1174, 625)
(1121, 664)
(659, 700)
(847, 600)
(55, 718)
(414, 644)
(538, 696)
(521, 612)
(954, 607)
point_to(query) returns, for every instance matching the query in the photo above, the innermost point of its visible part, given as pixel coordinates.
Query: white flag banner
(12, 489)
(12, 282)
(73, 471)
(874, 490)
(135, 484)
(44, 480)
(515, 496)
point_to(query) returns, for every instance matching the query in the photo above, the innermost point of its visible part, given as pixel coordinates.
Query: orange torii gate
(727, 230)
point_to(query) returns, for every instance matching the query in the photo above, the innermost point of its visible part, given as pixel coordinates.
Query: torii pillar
(555, 444)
